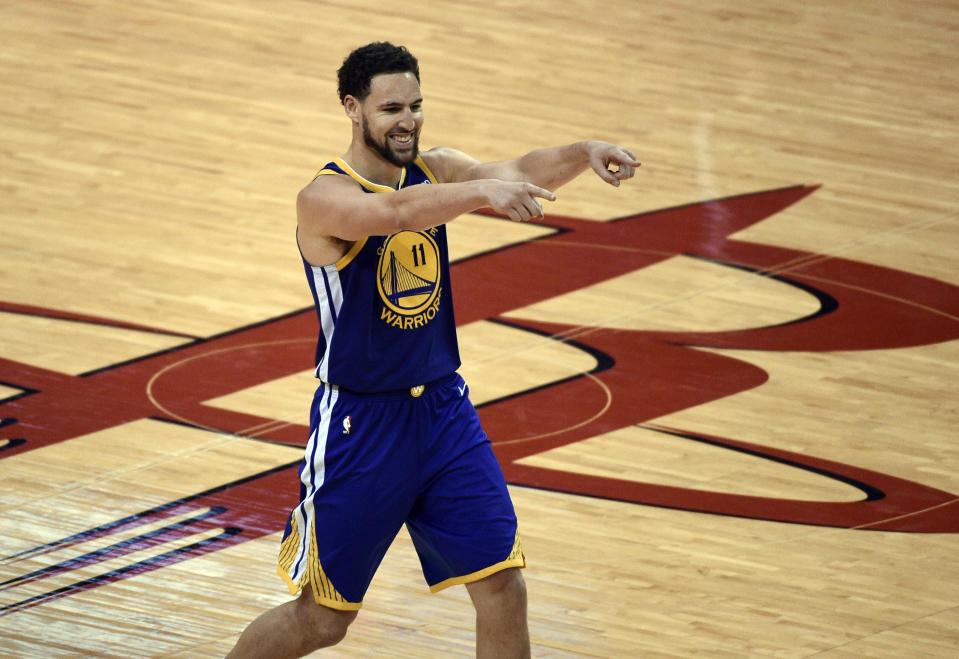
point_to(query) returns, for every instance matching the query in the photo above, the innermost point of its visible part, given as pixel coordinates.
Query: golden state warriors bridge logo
(408, 279)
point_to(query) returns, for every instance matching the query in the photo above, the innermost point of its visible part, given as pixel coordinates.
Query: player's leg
(501, 628)
(351, 506)
(464, 527)
(293, 629)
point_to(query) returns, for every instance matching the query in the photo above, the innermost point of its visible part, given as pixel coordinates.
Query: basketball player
(394, 438)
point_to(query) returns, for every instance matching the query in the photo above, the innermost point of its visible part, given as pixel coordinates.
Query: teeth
(404, 139)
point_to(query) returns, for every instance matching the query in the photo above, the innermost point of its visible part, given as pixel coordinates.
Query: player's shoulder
(448, 164)
(331, 179)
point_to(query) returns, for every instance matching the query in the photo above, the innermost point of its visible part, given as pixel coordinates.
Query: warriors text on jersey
(385, 308)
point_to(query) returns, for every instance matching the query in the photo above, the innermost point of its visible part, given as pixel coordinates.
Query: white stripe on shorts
(312, 478)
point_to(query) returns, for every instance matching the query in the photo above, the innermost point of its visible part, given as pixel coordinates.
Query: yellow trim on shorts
(324, 592)
(515, 559)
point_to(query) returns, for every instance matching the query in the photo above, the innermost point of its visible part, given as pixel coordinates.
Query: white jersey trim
(329, 296)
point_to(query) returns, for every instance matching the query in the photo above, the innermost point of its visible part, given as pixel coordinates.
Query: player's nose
(407, 121)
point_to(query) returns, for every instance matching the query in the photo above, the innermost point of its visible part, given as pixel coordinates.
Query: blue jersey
(385, 308)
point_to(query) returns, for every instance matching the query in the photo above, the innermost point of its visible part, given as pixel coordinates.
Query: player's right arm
(333, 211)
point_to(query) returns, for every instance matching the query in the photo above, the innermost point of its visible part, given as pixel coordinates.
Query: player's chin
(403, 147)
(406, 156)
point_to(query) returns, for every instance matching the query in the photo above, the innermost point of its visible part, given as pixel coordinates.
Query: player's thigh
(464, 525)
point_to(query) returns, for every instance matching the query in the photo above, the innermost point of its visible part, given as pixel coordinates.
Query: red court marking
(56, 314)
(655, 373)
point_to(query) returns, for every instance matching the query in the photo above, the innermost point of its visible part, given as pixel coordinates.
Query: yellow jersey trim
(426, 170)
(516, 559)
(369, 185)
(357, 246)
(324, 172)
(347, 258)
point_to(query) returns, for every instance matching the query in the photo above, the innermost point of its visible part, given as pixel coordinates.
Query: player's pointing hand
(518, 200)
(604, 156)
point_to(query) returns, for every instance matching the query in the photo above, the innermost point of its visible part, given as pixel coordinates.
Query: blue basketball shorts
(377, 461)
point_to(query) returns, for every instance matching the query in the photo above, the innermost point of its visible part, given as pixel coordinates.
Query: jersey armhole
(426, 170)
(354, 249)
(351, 254)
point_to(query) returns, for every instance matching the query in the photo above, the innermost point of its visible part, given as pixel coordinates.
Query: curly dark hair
(371, 60)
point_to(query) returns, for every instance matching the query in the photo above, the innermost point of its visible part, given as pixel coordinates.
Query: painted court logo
(408, 279)
(641, 376)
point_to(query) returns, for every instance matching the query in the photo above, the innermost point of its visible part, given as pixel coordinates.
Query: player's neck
(372, 166)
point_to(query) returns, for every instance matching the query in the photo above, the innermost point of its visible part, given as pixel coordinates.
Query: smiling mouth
(403, 139)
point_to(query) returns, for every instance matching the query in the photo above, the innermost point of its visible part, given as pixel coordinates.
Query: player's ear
(351, 105)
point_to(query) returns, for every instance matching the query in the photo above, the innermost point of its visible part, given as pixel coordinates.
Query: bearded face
(391, 116)
(397, 146)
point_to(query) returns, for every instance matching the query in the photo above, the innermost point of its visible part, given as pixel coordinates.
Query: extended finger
(536, 191)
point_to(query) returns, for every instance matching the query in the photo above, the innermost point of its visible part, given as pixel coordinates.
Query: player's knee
(321, 626)
(503, 591)
(330, 633)
(514, 589)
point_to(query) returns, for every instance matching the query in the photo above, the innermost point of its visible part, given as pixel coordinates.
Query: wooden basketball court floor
(725, 394)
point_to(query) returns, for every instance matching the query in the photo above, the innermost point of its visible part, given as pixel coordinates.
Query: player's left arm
(548, 168)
